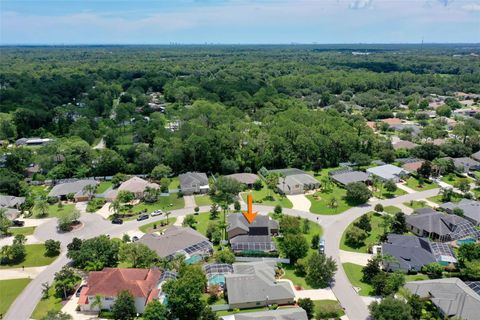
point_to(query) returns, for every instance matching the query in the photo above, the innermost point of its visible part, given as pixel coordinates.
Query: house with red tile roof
(143, 284)
(392, 121)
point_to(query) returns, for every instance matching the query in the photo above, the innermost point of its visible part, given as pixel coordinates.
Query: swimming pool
(466, 241)
(217, 279)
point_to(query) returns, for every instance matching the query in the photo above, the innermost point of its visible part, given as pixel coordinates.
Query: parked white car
(156, 213)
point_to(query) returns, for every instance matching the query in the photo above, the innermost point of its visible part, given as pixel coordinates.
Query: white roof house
(388, 172)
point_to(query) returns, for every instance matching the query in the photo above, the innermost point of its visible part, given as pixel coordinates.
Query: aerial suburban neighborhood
(207, 179)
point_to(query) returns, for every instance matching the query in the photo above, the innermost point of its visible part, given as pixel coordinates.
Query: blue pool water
(217, 279)
(465, 241)
(193, 259)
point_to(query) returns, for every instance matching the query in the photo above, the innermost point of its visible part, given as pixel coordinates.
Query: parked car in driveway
(142, 217)
(18, 223)
(117, 221)
(156, 213)
(134, 238)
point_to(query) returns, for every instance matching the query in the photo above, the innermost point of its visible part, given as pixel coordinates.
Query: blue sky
(238, 21)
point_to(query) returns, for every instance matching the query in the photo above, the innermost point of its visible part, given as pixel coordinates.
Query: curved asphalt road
(94, 225)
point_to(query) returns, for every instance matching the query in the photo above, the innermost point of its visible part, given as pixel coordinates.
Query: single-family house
(466, 164)
(137, 186)
(178, 241)
(344, 177)
(388, 172)
(11, 202)
(412, 167)
(411, 253)
(255, 236)
(193, 182)
(32, 141)
(404, 144)
(295, 181)
(247, 179)
(440, 227)
(476, 156)
(470, 209)
(77, 188)
(294, 313)
(392, 121)
(143, 284)
(451, 296)
(253, 285)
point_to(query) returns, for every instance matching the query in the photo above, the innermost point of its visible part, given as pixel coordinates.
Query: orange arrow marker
(249, 215)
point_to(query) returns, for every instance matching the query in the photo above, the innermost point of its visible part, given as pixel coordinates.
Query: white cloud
(360, 4)
(475, 7)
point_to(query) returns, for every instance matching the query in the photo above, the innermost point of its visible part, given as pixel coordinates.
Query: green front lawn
(334, 303)
(202, 221)
(9, 291)
(289, 273)
(354, 274)
(174, 183)
(148, 228)
(415, 277)
(382, 193)
(26, 231)
(321, 200)
(35, 257)
(438, 199)
(376, 222)
(412, 183)
(391, 209)
(104, 186)
(263, 195)
(165, 203)
(454, 179)
(203, 200)
(416, 204)
(55, 212)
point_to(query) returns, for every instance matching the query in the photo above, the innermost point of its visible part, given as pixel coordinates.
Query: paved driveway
(355, 257)
(300, 202)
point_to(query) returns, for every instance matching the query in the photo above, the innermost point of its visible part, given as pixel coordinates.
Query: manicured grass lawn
(438, 199)
(384, 194)
(26, 231)
(170, 202)
(412, 183)
(9, 290)
(203, 200)
(45, 305)
(35, 257)
(314, 229)
(259, 196)
(148, 228)
(321, 199)
(391, 209)
(354, 274)
(103, 186)
(334, 303)
(289, 271)
(454, 179)
(203, 219)
(415, 277)
(376, 221)
(415, 204)
(174, 183)
(55, 212)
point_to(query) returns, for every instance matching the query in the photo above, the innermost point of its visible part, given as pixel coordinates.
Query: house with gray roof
(294, 313)
(255, 236)
(178, 241)
(440, 227)
(347, 177)
(388, 172)
(32, 141)
(476, 156)
(247, 179)
(451, 296)
(466, 164)
(253, 284)
(75, 187)
(193, 182)
(470, 208)
(295, 181)
(411, 253)
(12, 205)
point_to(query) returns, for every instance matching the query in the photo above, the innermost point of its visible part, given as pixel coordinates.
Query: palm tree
(115, 207)
(42, 208)
(89, 189)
